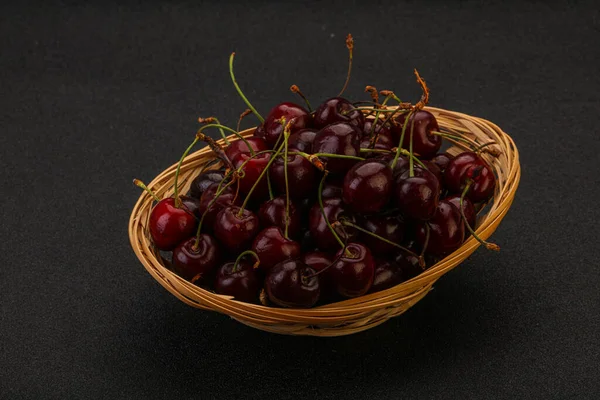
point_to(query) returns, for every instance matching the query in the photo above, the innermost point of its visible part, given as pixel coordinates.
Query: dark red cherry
(318, 261)
(302, 140)
(235, 231)
(273, 129)
(338, 138)
(425, 144)
(170, 225)
(417, 196)
(470, 166)
(408, 264)
(353, 271)
(380, 129)
(446, 230)
(468, 208)
(368, 186)
(442, 160)
(252, 170)
(191, 204)
(390, 227)
(243, 282)
(333, 208)
(401, 165)
(203, 181)
(259, 132)
(272, 213)
(301, 175)
(338, 109)
(292, 283)
(238, 147)
(384, 142)
(433, 168)
(387, 274)
(272, 247)
(196, 262)
(226, 199)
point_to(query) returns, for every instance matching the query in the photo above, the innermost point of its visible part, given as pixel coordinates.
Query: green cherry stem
(141, 184)
(488, 245)
(320, 198)
(286, 135)
(242, 255)
(218, 193)
(404, 126)
(239, 90)
(212, 120)
(296, 89)
(176, 187)
(236, 133)
(350, 46)
(410, 149)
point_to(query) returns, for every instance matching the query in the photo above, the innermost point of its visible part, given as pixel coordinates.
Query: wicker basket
(349, 316)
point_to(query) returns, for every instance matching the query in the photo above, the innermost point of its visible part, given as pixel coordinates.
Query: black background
(94, 95)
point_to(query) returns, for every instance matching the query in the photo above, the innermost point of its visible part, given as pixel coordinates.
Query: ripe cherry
(272, 247)
(242, 281)
(446, 231)
(301, 175)
(302, 140)
(380, 129)
(170, 225)
(251, 171)
(384, 142)
(319, 261)
(368, 186)
(390, 227)
(226, 198)
(203, 181)
(468, 208)
(338, 109)
(240, 146)
(196, 258)
(235, 228)
(353, 271)
(442, 160)
(292, 283)
(387, 274)
(425, 143)
(273, 129)
(417, 196)
(469, 166)
(338, 138)
(333, 209)
(272, 213)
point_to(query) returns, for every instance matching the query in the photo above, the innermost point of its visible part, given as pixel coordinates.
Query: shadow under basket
(349, 316)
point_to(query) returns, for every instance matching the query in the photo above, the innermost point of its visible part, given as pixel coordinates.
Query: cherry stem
(330, 155)
(387, 98)
(239, 90)
(425, 96)
(488, 245)
(211, 120)
(384, 151)
(214, 146)
(236, 266)
(372, 90)
(330, 265)
(236, 133)
(176, 188)
(141, 184)
(296, 89)
(375, 137)
(410, 150)
(286, 135)
(320, 198)
(350, 46)
(246, 112)
(344, 221)
(270, 187)
(427, 236)
(411, 112)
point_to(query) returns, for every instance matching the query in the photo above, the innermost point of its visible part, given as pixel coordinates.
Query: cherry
(384, 142)
(338, 109)
(433, 168)
(380, 129)
(468, 208)
(409, 265)
(272, 213)
(338, 138)
(417, 196)
(446, 230)
(192, 205)
(302, 140)
(353, 271)
(241, 147)
(251, 171)
(387, 274)
(333, 209)
(422, 123)
(301, 175)
(242, 281)
(319, 261)
(226, 198)
(203, 181)
(273, 129)
(442, 160)
(292, 283)
(196, 258)
(390, 227)
(470, 166)
(272, 247)
(236, 228)
(368, 186)
(401, 166)
(170, 225)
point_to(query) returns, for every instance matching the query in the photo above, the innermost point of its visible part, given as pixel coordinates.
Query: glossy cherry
(303, 139)
(353, 271)
(390, 227)
(380, 129)
(434, 169)
(334, 208)
(236, 232)
(273, 129)
(203, 181)
(442, 160)
(301, 175)
(226, 199)
(338, 138)
(338, 109)
(239, 146)
(470, 166)
(196, 262)
(170, 225)
(292, 283)
(425, 144)
(368, 186)
(417, 196)
(251, 171)
(272, 247)
(318, 261)
(272, 213)
(387, 274)
(446, 230)
(243, 281)
(468, 208)
(408, 264)
(384, 142)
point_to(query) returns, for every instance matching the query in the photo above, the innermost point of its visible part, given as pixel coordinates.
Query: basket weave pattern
(349, 316)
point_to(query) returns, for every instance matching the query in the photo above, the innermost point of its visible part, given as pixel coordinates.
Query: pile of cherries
(319, 206)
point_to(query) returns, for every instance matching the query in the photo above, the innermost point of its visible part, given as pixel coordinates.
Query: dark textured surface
(92, 96)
